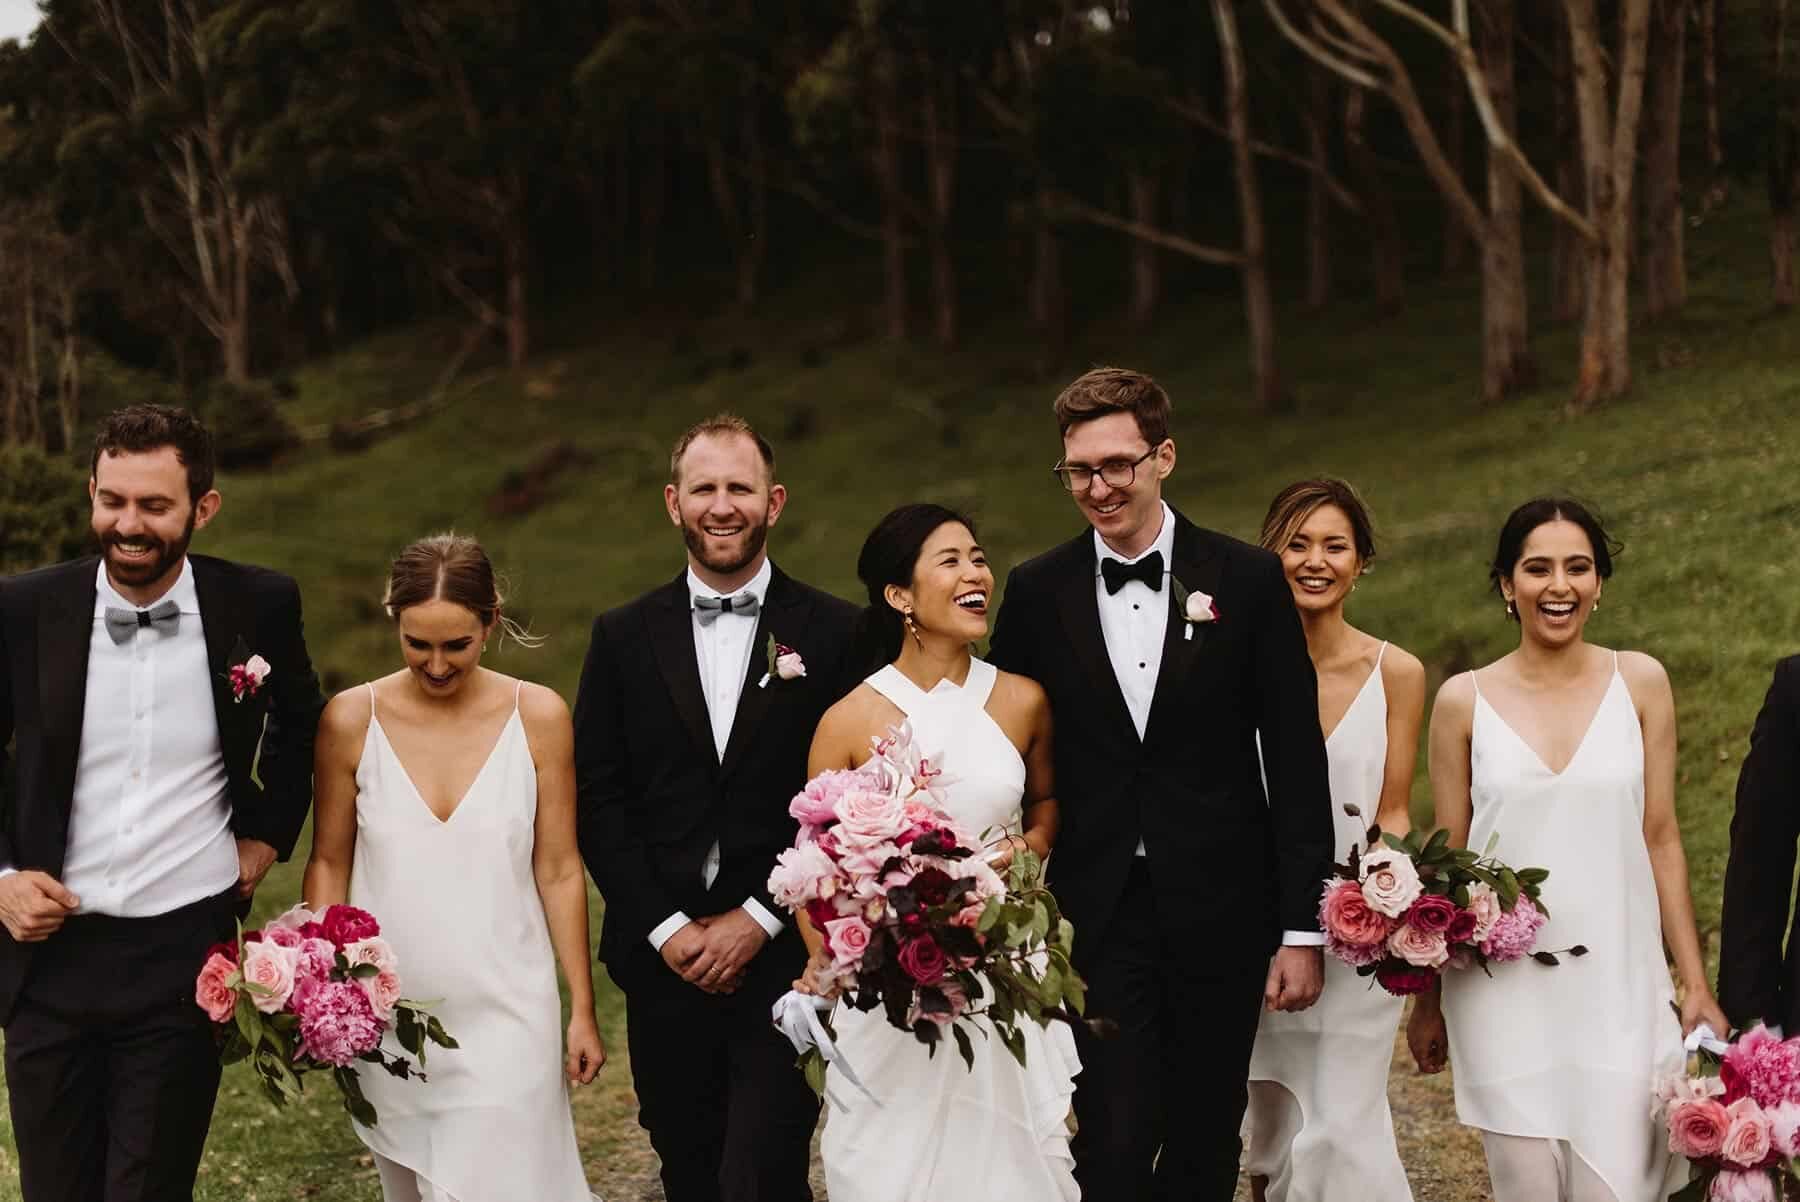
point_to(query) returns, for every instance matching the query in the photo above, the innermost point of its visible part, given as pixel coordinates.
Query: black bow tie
(1116, 572)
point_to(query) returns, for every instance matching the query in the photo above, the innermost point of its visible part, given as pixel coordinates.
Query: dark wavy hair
(890, 555)
(1300, 500)
(137, 429)
(1538, 511)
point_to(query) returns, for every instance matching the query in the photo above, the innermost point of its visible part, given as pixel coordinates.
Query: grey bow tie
(708, 609)
(124, 624)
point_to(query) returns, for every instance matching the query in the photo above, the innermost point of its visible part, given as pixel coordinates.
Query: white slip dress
(458, 903)
(1569, 1054)
(1332, 1058)
(944, 1132)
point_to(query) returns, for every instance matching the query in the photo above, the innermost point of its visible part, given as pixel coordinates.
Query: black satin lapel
(65, 626)
(672, 642)
(1079, 609)
(1198, 568)
(784, 617)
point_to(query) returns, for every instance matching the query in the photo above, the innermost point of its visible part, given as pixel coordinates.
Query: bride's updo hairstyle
(451, 567)
(1536, 512)
(890, 555)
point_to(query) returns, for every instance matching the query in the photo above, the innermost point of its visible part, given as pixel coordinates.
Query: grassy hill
(1698, 472)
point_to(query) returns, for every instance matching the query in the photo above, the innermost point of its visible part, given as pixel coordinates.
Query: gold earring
(1511, 611)
(912, 627)
(1596, 606)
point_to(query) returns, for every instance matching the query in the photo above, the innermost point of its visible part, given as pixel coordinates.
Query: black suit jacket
(46, 623)
(653, 794)
(1755, 979)
(1191, 789)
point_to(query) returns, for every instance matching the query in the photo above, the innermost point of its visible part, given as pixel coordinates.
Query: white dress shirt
(1134, 621)
(150, 823)
(722, 649)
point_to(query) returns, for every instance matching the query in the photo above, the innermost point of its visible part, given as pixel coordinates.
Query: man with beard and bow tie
(152, 792)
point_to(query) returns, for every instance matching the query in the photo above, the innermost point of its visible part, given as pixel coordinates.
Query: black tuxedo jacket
(46, 624)
(1191, 788)
(653, 794)
(1755, 979)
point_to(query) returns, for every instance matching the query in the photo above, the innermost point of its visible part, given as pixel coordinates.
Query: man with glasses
(1167, 650)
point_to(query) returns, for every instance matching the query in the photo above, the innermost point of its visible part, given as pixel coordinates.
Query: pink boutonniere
(784, 663)
(247, 678)
(1196, 607)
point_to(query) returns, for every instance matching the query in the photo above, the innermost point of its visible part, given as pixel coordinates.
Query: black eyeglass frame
(1064, 473)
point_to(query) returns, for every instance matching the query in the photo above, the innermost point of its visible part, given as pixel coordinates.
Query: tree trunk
(1665, 260)
(941, 134)
(1143, 189)
(1456, 233)
(517, 253)
(1259, 307)
(1709, 78)
(1387, 254)
(68, 373)
(1048, 302)
(1507, 364)
(886, 161)
(1567, 249)
(1784, 163)
(1318, 196)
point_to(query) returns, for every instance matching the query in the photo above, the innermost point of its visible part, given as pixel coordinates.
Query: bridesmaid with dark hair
(1318, 1124)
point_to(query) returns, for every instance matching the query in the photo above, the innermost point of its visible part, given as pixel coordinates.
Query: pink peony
(816, 804)
(1485, 905)
(1697, 1128)
(1432, 913)
(1784, 1128)
(1347, 917)
(1390, 883)
(211, 992)
(1421, 949)
(1356, 955)
(1763, 1066)
(337, 1023)
(1400, 979)
(1462, 928)
(282, 936)
(270, 966)
(1514, 934)
(373, 950)
(1733, 1186)
(1747, 1139)
(923, 960)
(384, 993)
(344, 925)
(849, 939)
(313, 961)
(802, 874)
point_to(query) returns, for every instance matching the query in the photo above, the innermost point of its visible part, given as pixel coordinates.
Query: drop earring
(1511, 611)
(912, 627)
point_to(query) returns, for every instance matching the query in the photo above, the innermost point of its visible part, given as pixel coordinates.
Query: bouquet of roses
(914, 918)
(1736, 1117)
(1405, 909)
(314, 992)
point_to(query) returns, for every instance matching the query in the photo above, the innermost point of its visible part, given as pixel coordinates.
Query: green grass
(1698, 471)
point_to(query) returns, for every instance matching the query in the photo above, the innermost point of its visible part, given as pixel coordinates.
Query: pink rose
(211, 992)
(344, 925)
(1421, 949)
(923, 960)
(816, 804)
(1390, 883)
(1401, 979)
(865, 860)
(314, 960)
(1697, 1128)
(1432, 913)
(373, 950)
(1784, 1128)
(802, 874)
(1346, 916)
(1733, 1186)
(1462, 928)
(1747, 1139)
(270, 966)
(849, 939)
(1485, 905)
(384, 993)
(788, 664)
(868, 816)
(282, 936)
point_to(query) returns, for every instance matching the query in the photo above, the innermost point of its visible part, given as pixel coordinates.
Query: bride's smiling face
(442, 643)
(951, 585)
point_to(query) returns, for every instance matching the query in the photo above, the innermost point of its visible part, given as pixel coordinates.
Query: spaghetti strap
(518, 687)
(1474, 681)
(370, 685)
(1379, 654)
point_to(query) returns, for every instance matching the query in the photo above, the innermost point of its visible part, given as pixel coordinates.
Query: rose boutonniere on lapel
(1197, 608)
(784, 663)
(247, 678)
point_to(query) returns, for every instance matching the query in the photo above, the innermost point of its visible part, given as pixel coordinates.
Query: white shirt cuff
(1299, 938)
(7, 871)
(665, 930)
(764, 919)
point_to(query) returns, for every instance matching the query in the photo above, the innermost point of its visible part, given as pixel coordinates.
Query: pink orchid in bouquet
(1402, 910)
(311, 992)
(1735, 1116)
(914, 918)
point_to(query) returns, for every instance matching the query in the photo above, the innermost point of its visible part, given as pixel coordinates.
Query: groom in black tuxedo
(149, 800)
(1166, 651)
(689, 744)
(1756, 980)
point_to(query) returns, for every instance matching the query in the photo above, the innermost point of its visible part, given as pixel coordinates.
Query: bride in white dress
(941, 1131)
(1566, 752)
(444, 805)
(1318, 1124)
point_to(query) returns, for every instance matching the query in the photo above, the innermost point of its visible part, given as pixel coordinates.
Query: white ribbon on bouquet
(1703, 1036)
(796, 1015)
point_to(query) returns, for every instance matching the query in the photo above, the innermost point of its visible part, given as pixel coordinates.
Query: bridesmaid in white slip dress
(945, 1132)
(445, 807)
(1318, 1127)
(1566, 752)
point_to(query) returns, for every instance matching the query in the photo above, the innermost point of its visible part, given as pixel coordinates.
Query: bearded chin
(155, 569)
(695, 538)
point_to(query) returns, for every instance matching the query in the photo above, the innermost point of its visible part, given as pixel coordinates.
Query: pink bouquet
(1736, 1118)
(915, 919)
(1406, 909)
(314, 992)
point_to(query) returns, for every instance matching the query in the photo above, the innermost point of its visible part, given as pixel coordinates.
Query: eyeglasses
(1118, 473)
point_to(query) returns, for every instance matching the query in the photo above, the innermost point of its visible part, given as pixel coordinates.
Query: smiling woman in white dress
(445, 806)
(1565, 752)
(1318, 1125)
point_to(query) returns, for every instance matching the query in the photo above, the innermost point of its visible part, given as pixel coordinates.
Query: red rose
(229, 950)
(1463, 927)
(1431, 913)
(1400, 978)
(923, 960)
(821, 912)
(345, 925)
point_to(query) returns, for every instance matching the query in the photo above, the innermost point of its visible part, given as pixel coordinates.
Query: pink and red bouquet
(314, 992)
(1736, 1118)
(1405, 909)
(914, 918)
